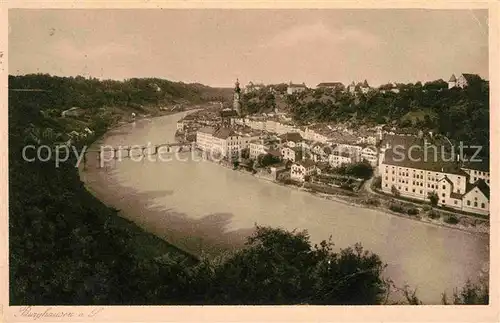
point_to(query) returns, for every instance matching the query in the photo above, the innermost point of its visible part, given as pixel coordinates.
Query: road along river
(200, 206)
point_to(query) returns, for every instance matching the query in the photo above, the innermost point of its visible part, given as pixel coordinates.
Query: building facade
(454, 187)
(301, 169)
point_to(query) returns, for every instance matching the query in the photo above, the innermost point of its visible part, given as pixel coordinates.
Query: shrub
(433, 214)
(395, 191)
(396, 208)
(346, 186)
(377, 182)
(451, 219)
(372, 201)
(412, 211)
(427, 208)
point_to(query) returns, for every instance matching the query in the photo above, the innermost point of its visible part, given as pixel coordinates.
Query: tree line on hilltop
(91, 93)
(459, 114)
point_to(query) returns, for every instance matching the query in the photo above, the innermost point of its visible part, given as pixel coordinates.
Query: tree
(433, 198)
(291, 271)
(470, 294)
(245, 153)
(360, 170)
(377, 182)
(265, 160)
(395, 191)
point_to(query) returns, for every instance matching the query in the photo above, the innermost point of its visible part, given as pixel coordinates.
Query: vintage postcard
(327, 161)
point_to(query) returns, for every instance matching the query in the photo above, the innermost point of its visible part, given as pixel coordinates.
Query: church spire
(237, 99)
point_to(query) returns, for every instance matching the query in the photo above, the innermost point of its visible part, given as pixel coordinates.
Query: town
(332, 155)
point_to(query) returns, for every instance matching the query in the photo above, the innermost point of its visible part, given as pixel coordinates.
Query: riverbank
(357, 201)
(145, 243)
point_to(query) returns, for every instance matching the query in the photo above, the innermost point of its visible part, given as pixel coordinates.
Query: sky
(216, 46)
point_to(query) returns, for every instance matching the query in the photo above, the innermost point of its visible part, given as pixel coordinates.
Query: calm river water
(203, 207)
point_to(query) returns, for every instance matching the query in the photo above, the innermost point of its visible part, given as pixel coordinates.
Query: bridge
(108, 153)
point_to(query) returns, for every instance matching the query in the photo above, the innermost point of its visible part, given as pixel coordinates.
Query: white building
(261, 146)
(370, 153)
(321, 152)
(223, 140)
(301, 169)
(463, 80)
(295, 88)
(293, 154)
(416, 179)
(338, 158)
(180, 125)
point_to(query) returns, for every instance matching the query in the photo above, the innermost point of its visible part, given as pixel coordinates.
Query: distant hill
(61, 93)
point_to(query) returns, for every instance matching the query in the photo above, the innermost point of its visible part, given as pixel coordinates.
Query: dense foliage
(93, 94)
(460, 114)
(359, 170)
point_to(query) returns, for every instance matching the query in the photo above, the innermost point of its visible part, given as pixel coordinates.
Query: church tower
(237, 98)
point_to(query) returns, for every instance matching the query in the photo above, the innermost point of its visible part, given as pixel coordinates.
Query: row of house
(462, 81)
(223, 140)
(320, 132)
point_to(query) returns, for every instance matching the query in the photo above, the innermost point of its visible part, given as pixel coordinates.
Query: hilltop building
(295, 88)
(336, 86)
(463, 81)
(252, 87)
(360, 87)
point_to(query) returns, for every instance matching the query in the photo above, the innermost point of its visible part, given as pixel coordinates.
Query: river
(203, 207)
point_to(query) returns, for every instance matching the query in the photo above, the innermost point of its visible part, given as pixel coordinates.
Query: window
(458, 191)
(442, 201)
(468, 202)
(443, 195)
(413, 190)
(406, 189)
(385, 185)
(482, 205)
(444, 187)
(420, 191)
(456, 202)
(475, 204)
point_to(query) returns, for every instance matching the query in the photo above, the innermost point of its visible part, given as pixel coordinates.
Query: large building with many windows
(224, 141)
(452, 182)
